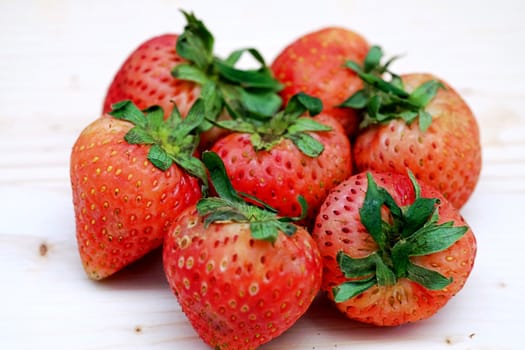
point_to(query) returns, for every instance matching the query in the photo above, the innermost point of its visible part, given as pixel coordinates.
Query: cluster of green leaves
(244, 93)
(232, 206)
(288, 123)
(172, 140)
(412, 231)
(381, 100)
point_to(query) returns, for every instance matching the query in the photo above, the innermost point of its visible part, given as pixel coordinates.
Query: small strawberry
(394, 250)
(286, 156)
(241, 274)
(181, 68)
(314, 64)
(416, 122)
(130, 177)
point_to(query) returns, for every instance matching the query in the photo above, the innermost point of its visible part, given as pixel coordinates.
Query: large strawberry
(314, 64)
(181, 68)
(130, 177)
(241, 274)
(286, 156)
(417, 122)
(394, 250)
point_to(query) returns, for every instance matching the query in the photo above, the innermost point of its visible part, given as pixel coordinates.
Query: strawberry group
(325, 172)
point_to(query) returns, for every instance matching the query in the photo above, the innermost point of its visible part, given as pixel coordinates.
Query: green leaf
(425, 92)
(370, 213)
(304, 211)
(261, 78)
(138, 136)
(260, 103)
(353, 66)
(194, 167)
(195, 43)
(159, 157)
(264, 231)
(384, 275)
(434, 238)
(425, 119)
(306, 144)
(219, 177)
(237, 125)
(301, 102)
(189, 72)
(429, 279)
(408, 116)
(126, 110)
(307, 124)
(359, 100)
(348, 290)
(154, 117)
(356, 267)
(418, 214)
(236, 55)
(373, 59)
(194, 118)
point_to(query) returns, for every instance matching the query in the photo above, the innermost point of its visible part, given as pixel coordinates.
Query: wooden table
(56, 61)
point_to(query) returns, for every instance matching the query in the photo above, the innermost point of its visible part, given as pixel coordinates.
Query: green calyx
(383, 100)
(172, 140)
(411, 231)
(230, 206)
(244, 93)
(288, 123)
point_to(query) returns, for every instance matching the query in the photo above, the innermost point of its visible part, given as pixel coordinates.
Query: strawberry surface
(447, 155)
(278, 175)
(145, 78)
(339, 228)
(314, 64)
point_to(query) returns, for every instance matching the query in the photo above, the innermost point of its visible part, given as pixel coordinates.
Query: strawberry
(130, 177)
(288, 155)
(394, 249)
(314, 64)
(241, 274)
(181, 68)
(417, 122)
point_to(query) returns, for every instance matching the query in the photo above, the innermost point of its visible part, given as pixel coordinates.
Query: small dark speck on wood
(43, 249)
(138, 329)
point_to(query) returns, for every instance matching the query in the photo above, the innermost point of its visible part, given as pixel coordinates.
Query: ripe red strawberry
(129, 182)
(314, 64)
(288, 156)
(394, 250)
(181, 68)
(145, 78)
(241, 274)
(418, 122)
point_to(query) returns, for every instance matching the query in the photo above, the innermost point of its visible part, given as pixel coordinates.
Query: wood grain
(56, 61)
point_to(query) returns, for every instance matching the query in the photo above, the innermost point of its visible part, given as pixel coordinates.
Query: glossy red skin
(145, 78)
(237, 292)
(338, 228)
(279, 175)
(314, 64)
(446, 156)
(123, 204)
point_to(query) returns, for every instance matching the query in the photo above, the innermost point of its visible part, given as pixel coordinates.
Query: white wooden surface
(56, 60)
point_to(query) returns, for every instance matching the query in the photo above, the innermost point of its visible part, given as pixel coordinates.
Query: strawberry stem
(381, 101)
(412, 231)
(172, 140)
(244, 93)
